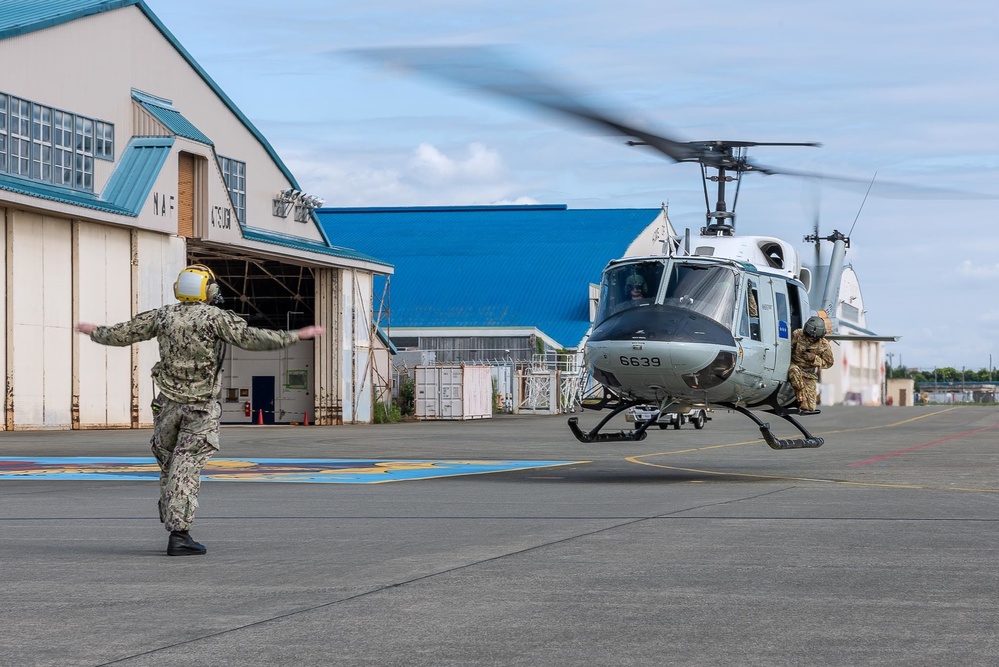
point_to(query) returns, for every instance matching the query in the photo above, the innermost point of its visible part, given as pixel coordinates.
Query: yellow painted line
(783, 478)
(758, 440)
(637, 459)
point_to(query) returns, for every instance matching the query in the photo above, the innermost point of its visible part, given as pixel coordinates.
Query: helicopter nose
(688, 358)
(662, 345)
(662, 323)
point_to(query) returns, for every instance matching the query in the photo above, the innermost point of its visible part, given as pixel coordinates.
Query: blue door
(263, 397)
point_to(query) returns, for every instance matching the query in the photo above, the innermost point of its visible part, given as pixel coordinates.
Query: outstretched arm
(310, 332)
(235, 331)
(139, 328)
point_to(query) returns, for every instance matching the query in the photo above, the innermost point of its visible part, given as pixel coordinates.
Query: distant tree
(948, 374)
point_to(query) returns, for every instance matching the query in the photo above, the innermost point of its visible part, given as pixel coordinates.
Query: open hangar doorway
(272, 386)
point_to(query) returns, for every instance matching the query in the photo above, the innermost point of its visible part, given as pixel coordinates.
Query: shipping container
(454, 392)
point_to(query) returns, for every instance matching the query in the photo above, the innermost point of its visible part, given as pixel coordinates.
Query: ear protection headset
(197, 283)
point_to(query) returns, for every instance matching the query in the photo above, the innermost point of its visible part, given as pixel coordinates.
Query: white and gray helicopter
(712, 322)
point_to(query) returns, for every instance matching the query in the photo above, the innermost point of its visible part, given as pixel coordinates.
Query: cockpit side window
(628, 286)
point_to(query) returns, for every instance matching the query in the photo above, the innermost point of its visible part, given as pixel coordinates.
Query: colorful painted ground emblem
(329, 471)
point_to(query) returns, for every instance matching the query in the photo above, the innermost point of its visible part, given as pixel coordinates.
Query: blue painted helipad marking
(331, 471)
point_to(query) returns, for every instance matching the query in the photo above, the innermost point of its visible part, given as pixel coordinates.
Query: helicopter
(711, 321)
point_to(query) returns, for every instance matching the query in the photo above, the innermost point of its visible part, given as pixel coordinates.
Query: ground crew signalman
(810, 351)
(192, 335)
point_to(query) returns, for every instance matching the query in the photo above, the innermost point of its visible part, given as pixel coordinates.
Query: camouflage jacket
(810, 353)
(192, 339)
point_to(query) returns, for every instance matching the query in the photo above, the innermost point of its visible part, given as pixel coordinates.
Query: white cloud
(969, 269)
(427, 176)
(430, 166)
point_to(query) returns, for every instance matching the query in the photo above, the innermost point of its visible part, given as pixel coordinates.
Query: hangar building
(487, 283)
(122, 161)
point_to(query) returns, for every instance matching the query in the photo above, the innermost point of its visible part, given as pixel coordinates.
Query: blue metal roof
(163, 111)
(136, 172)
(59, 194)
(23, 16)
(491, 266)
(126, 190)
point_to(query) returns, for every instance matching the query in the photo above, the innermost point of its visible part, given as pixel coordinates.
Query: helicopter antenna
(817, 207)
(861, 205)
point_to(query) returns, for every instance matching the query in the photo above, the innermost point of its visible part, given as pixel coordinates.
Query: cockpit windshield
(709, 290)
(629, 286)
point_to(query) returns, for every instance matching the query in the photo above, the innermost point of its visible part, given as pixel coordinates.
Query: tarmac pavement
(691, 547)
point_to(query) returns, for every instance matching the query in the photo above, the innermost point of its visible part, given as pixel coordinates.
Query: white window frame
(19, 160)
(41, 143)
(234, 175)
(3, 132)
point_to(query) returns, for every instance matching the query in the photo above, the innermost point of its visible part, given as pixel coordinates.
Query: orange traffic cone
(260, 416)
(305, 422)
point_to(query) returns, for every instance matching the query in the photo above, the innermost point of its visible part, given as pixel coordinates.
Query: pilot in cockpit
(637, 289)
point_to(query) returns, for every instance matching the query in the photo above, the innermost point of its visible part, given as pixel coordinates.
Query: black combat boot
(182, 544)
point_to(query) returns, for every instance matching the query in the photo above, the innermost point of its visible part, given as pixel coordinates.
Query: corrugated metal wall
(40, 320)
(361, 391)
(145, 125)
(102, 278)
(7, 422)
(484, 349)
(329, 408)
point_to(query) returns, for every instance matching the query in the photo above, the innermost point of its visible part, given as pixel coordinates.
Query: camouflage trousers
(804, 386)
(185, 436)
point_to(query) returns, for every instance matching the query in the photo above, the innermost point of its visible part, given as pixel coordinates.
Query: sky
(904, 92)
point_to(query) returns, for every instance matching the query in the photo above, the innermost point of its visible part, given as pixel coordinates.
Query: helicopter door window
(794, 299)
(781, 314)
(753, 309)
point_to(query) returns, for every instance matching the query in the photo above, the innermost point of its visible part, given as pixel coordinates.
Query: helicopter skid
(596, 436)
(809, 441)
(792, 443)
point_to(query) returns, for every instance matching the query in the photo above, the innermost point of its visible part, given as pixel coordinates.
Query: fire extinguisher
(246, 408)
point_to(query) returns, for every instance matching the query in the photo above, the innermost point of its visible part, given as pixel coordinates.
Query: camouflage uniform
(808, 354)
(192, 338)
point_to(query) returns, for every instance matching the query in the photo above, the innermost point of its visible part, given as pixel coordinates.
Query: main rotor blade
(482, 68)
(885, 189)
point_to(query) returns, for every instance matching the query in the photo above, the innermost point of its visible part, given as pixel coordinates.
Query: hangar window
(20, 136)
(3, 133)
(234, 175)
(104, 140)
(62, 140)
(83, 167)
(51, 145)
(41, 143)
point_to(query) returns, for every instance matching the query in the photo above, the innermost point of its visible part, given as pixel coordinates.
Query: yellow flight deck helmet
(197, 283)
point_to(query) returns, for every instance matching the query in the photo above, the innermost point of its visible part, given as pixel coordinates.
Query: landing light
(713, 374)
